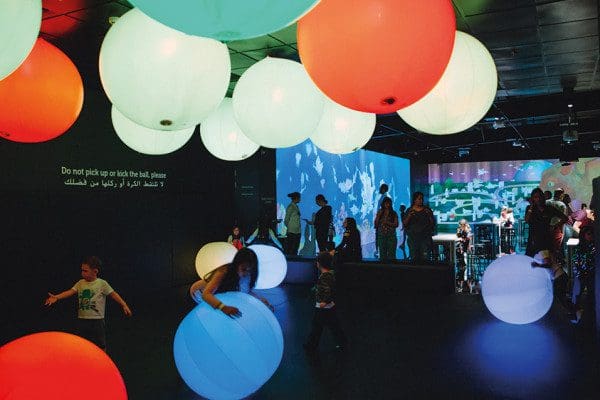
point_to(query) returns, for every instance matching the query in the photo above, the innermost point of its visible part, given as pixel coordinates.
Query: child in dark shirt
(325, 313)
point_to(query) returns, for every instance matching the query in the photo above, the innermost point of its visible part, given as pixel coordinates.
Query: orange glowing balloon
(42, 98)
(58, 365)
(377, 56)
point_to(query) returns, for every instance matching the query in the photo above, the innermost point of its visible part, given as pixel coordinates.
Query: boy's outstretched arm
(53, 298)
(115, 296)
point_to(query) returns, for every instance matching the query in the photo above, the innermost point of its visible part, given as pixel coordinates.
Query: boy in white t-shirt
(91, 292)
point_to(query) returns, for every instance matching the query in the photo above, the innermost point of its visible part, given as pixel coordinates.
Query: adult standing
(292, 223)
(418, 225)
(386, 223)
(322, 220)
(539, 216)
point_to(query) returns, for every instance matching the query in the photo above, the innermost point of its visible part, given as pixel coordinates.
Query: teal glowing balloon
(226, 20)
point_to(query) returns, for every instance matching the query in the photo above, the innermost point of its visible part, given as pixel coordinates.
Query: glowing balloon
(222, 136)
(226, 19)
(213, 255)
(20, 22)
(392, 52)
(57, 365)
(276, 104)
(463, 95)
(159, 77)
(272, 266)
(514, 292)
(342, 130)
(220, 357)
(148, 141)
(42, 98)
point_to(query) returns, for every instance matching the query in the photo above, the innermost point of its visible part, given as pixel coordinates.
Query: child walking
(325, 312)
(91, 292)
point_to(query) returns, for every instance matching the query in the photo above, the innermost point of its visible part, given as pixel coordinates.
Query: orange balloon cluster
(57, 365)
(42, 98)
(377, 56)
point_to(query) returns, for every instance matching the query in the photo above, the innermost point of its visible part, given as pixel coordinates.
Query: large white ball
(463, 95)
(342, 130)
(159, 77)
(148, 141)
(276, 104)
(272, 266)
(223, 137)
(220, 357)
(515, 292)
(20, 22)
(213, 255)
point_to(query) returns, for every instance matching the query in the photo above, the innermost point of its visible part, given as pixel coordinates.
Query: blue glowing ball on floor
(514, 292)
(220, 357)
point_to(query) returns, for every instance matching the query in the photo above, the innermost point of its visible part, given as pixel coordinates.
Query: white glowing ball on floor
(342, 130)
(276, 104)
(222, 136)
(514, 292)
(148, 141)
(20, 22)
(463, 94)
(213, 255)
(220, 357)
(159, 77)
(272, 266)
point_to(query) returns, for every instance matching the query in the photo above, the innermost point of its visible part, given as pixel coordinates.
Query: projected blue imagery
(349, 182)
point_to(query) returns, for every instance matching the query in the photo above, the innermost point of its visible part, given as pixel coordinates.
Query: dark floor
(401, 346)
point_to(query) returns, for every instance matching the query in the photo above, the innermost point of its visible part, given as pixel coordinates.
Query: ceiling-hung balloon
(20, 22)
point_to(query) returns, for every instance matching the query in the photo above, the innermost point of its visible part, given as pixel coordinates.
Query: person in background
(238, 276)
(292, 224)
(236, 238)
(325, 309)
(383, 194)
(91, 292)
(386, 223)
(418, 225)
(547, 195)
(321, 221)
(507, 218)
(463, 232)
(546, 259)
(402, 244)
(350, 249)
(263, 234)
(541, 233)
(584, 271)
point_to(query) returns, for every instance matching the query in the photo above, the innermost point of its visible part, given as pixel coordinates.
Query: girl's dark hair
(231, 280)
(582, 232)
(538, 191)
(415, 195)
(322, 198)
(351, 224)
(294, 195)
(386, 200)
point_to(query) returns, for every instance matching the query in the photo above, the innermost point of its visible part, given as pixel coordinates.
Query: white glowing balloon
(20, 22)
(342, 130)
(161, 78)
(148, 141)
(276, 104)
(213, 255)
(463, 95)
(514, 292)
(272, 266)
(222, 136)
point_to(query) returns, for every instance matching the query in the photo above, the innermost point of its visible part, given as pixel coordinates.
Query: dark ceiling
(546, 53)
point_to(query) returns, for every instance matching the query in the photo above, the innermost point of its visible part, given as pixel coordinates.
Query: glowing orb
(220, 357)
(222, 136)
(19, 27)
(226, 19)
(159, 77)
(212, 256)
(148, 141)
(42, 98)
(272, 266)
(276, 104)
(57, 365)
(392, 52)
(514, 292)
(342, 130)
(463, 95)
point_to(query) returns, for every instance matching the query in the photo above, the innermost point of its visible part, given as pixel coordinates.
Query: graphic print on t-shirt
(85, 300)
